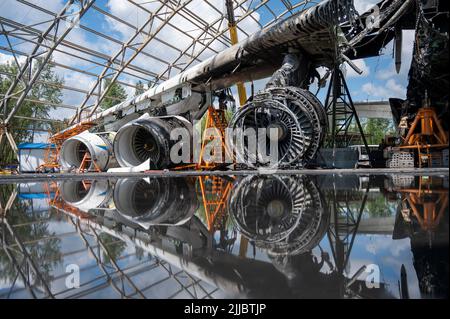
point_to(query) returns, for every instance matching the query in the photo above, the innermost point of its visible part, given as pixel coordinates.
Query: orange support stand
(57, 202)
(55, 141)
(215, 119)
(425, 133)
(85, 163)
(428, 205)
(214, 191)
(430, 218)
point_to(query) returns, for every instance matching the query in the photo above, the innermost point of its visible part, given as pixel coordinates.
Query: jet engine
(86, 195)
(97, 145)
(298, 117)
(148, 138)
(295, 114)
(283, 214)
(155, 201)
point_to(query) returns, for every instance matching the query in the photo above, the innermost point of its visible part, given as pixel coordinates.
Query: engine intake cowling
(86, 195)
(148, 138)
(155, 201)
(97, 145)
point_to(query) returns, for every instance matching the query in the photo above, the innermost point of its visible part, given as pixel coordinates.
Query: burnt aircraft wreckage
(289, 52)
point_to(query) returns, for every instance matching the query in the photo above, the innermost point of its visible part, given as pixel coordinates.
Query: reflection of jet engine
(311, 229)
(284, 214)
(86, 195)
(97, 146)
(155, 201)
(148, 138)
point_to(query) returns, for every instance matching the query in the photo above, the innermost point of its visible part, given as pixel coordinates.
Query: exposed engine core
(271, 211)
(155, 201)
(284, 214)
(98, 147)
(148, 138)
(297, 115)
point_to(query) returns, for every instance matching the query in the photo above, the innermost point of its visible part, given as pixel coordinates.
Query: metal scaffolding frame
(50, 41)
(344, 224)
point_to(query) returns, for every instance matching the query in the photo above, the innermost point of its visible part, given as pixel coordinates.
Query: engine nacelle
(86, 195)
(98, 145)
(155, 201)
(148, 138)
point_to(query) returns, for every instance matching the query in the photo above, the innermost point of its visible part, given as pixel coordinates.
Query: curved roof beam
(24, 67)
(96, 32)
(71, 45)
(170, 24)
(175, 10)
(71, 68)
(194, 42)
(131, 26)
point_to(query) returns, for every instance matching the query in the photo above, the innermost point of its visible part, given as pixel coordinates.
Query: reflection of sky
(380, 249)
(74, 251)
(388, 255)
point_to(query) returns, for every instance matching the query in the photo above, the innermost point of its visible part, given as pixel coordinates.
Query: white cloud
(361, 64)
(393, 84)
(364, 5)
(379, 243)
(384, 92)
(171, 35)
(24, 14)
(395, 88)
(132, 14)
(407, 51)
(5, 58)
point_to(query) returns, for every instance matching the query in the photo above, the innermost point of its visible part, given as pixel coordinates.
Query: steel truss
(340, 108)
(344, 224)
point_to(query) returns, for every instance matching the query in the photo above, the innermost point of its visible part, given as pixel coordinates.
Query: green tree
(114, 247)
(115, 95)
(377, 129)
(48, 88)
(45, 254)
(380, 207)
(139, 88)
(51, 93)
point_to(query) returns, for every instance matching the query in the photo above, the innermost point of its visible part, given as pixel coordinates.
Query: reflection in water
(85, 195)
(285, 215)
(155, 201)
(423, 217)
(23, 256)
(273, 236)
